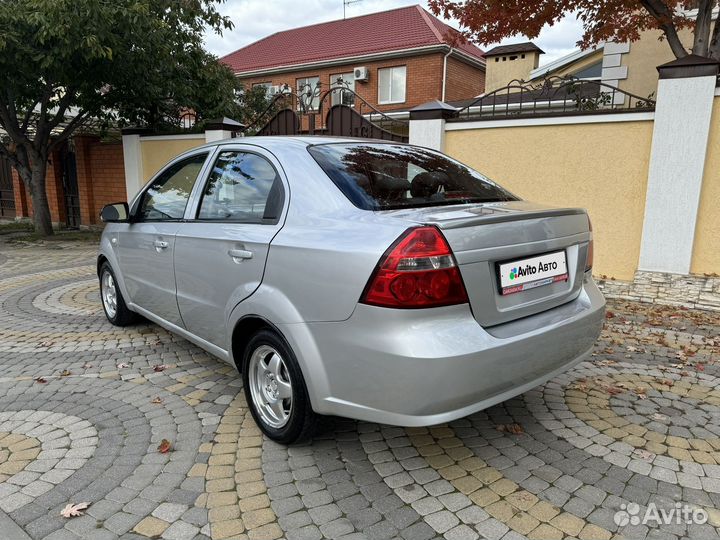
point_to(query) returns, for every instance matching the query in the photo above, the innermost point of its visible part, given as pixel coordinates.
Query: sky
(255, 19)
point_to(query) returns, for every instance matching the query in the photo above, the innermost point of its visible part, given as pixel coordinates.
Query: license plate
(524, 274)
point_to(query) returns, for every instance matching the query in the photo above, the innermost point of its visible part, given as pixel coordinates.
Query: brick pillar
(21, 204)
(54, 189)
(83, 148)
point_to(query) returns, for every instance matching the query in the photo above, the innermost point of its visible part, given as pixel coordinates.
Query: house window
(309, 85)
(265, 85)
(343, 80)
(593, 72)
(391, 84)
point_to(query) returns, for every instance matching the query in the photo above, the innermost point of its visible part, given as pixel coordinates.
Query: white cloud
(255, 19)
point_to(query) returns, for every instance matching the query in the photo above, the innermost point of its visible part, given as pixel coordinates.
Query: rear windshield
(391, 176)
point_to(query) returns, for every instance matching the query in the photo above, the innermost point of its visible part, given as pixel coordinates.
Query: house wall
(706, 249)
(463, 81)
(643, 58)
(424, 79)
(500, 72)
(598, 166)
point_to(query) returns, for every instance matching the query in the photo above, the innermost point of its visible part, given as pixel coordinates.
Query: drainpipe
(445, 73)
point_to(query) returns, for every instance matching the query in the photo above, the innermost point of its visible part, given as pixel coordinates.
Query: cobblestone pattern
(84, 406)
(691, 291)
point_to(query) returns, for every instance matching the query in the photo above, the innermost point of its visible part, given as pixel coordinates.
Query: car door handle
(239, 254)
(160, 244)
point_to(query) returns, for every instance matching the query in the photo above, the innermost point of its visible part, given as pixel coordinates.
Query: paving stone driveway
(84, 406)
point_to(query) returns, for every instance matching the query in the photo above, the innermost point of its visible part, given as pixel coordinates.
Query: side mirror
(115, 213)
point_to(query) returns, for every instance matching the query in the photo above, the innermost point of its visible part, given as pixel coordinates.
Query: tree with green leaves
(70, 64)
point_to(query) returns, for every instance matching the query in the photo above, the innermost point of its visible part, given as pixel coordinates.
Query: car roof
(285, 141)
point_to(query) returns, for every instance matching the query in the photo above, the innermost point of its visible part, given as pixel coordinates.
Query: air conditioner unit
(361, 73)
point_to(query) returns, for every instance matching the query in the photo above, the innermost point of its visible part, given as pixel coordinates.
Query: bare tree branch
(714, 45)
(664, 15)
(69, 130)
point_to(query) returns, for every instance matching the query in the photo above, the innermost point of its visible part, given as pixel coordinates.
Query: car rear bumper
(404, 368)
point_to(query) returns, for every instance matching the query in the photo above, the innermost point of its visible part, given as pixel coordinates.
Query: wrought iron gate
(7, 195)
(311, 112)
(70, 187)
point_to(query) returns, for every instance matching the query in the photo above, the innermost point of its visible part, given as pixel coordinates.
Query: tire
(120, 315)
(265, 380)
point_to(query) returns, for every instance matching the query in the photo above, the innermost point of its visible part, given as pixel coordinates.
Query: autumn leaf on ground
(65, 373)
(46, 343)
(613, 390)
(700, 367)
(164, 446)
(122, 366)
(515, 429)
(40, 380)
(641, 392)
(87, 366)
(74, 510)
(667, 382)
(156, 400)
(644, 454)
(160, 367)
(609, 315)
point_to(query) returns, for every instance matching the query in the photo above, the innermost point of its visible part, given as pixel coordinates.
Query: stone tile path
(84, 406)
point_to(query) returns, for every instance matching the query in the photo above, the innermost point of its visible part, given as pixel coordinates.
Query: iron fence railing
(554, 96)
(312, 104)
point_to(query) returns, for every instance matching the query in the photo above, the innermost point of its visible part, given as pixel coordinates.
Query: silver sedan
(367, 279)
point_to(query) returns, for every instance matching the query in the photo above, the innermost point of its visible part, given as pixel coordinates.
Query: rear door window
(376, 176)
(242, 187)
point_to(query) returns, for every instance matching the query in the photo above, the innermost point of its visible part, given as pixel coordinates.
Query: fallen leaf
(41, 380)
(159, 367)
(515, 429)
(700, 367)
(164, 446)
(87, 366)
(65, 373)
(156, 400)
(122, 366)
(609, 315)
(46, 343)
(74, 510)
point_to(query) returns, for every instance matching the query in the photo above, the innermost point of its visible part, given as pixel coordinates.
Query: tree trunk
(702, 27)
(35, 183)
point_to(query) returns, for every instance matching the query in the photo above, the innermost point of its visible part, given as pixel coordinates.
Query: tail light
(590, 250)
(417, 271)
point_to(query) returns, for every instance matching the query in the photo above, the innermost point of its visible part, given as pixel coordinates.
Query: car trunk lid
(486, 237)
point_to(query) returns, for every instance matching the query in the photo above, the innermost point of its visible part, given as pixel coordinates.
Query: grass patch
(30, 237)
(10, 227)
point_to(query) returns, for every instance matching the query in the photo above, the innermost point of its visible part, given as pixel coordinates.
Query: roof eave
(413, 51)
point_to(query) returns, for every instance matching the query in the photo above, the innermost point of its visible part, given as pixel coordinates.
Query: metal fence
(554, 96)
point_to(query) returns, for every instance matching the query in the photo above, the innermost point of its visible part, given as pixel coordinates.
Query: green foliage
(126, 61)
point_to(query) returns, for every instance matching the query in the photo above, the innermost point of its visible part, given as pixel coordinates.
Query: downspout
(445, 73)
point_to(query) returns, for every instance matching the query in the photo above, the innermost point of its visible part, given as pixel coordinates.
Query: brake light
(590, 250)
(417, 271)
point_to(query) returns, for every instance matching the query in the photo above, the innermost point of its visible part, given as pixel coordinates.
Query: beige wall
(644, 57)
(156, 152)
(499, 73)
(602, 167)
(706, 250)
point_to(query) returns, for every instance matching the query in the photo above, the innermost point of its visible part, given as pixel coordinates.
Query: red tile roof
(393, 30)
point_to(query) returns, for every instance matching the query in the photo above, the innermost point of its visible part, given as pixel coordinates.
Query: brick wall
(100, 175)
(424, 79)
(463, 81)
